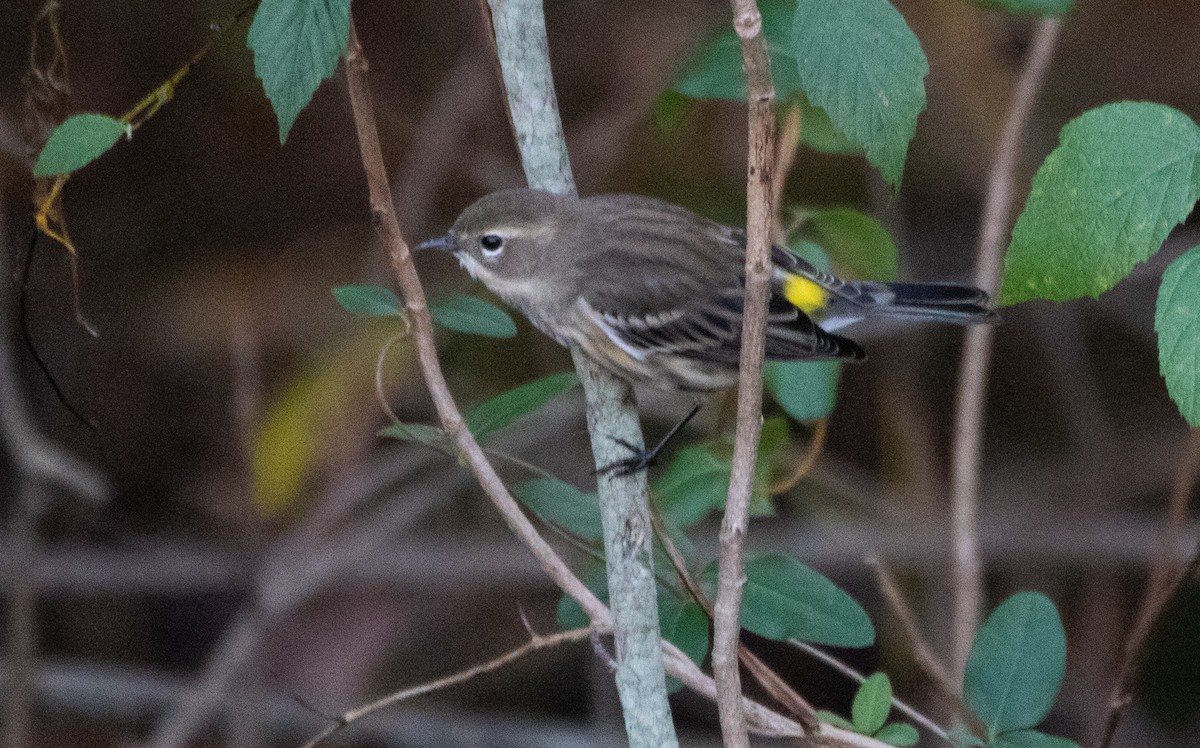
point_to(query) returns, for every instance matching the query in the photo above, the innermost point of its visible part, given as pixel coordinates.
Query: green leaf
(859, 61)
(684, 624)
(569, 614)
(858, 244)
(502, 410)
(836, 720)
(297, 44)
(472, 315)
(697, 480)
(430, 436)
(716, 72)
(1041, 8)
(1016, 664)
(77, 142)
(818, 133)
(1104, 200)
(368, 301)
(563, 504)
(784, 599)
(1177, 321)
(961, 737)
(899, 734)
(1031, 739)
(806, 390)
(872, 704)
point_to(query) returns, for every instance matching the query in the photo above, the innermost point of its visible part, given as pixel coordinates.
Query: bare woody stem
(967, 563)
(747, 21)
(388, 229)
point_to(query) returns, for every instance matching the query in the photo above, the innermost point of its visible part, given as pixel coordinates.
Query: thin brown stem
(537, 642)
(451, 418)
(747, 21)
(1165, 581)
(966, 560)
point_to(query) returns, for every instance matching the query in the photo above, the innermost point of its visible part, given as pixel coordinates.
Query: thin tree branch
(922, 652)
(967, 566)
(747, 21)
(521, 46)
(537, 642)
(1161, 588)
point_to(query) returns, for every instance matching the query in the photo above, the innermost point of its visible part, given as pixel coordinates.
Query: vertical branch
(967, 564)
(519, 27)
(730, 579)
(1164, 582)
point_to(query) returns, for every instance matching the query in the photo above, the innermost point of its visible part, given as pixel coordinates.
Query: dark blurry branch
(297, 567)
(926, 659)
(970, 401)
(760, 157)
(519, 30)
(1165, 580)
(537, 642)
(39, 466)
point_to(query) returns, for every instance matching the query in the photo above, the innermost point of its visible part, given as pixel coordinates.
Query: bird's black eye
(492, 244)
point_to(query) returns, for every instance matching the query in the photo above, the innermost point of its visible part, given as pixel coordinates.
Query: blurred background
(259, 546)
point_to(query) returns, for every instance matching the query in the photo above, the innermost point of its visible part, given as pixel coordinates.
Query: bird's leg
(644, 458)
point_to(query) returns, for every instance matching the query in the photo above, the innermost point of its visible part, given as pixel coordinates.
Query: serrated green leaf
(806, 390)
(472, 315)
(900, 734)
(716, 72)
(1040, 8)
(1031, 739)
(872, 704)
(563, 504)
(859, 61)
(77, 142)
(1177, 322)
(297, 44)
(1104, 200)
(430, 436)
(784, 599)
(859, 245)
(836, 720)
(818, 133)
(368, 301)
(1016, 664)
(503, 410)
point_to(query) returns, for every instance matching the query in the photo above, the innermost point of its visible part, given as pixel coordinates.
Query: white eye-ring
(492, 246)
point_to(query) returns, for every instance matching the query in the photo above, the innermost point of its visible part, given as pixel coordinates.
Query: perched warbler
(654, 292)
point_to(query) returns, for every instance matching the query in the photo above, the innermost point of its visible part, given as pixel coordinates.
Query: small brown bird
(655, 293)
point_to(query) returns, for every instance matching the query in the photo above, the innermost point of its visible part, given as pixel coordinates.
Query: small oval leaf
(857, 243)
(368, 301)
(472, 315)
(872, 704)
(77, 142)
(1016, 664)
(503, 410)
(1177, 322)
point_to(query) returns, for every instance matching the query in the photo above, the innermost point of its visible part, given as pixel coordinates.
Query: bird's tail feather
(939, 302)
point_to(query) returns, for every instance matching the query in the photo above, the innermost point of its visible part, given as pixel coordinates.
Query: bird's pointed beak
(442, 243)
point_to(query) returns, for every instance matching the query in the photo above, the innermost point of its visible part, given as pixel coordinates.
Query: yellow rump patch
(805, 295)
